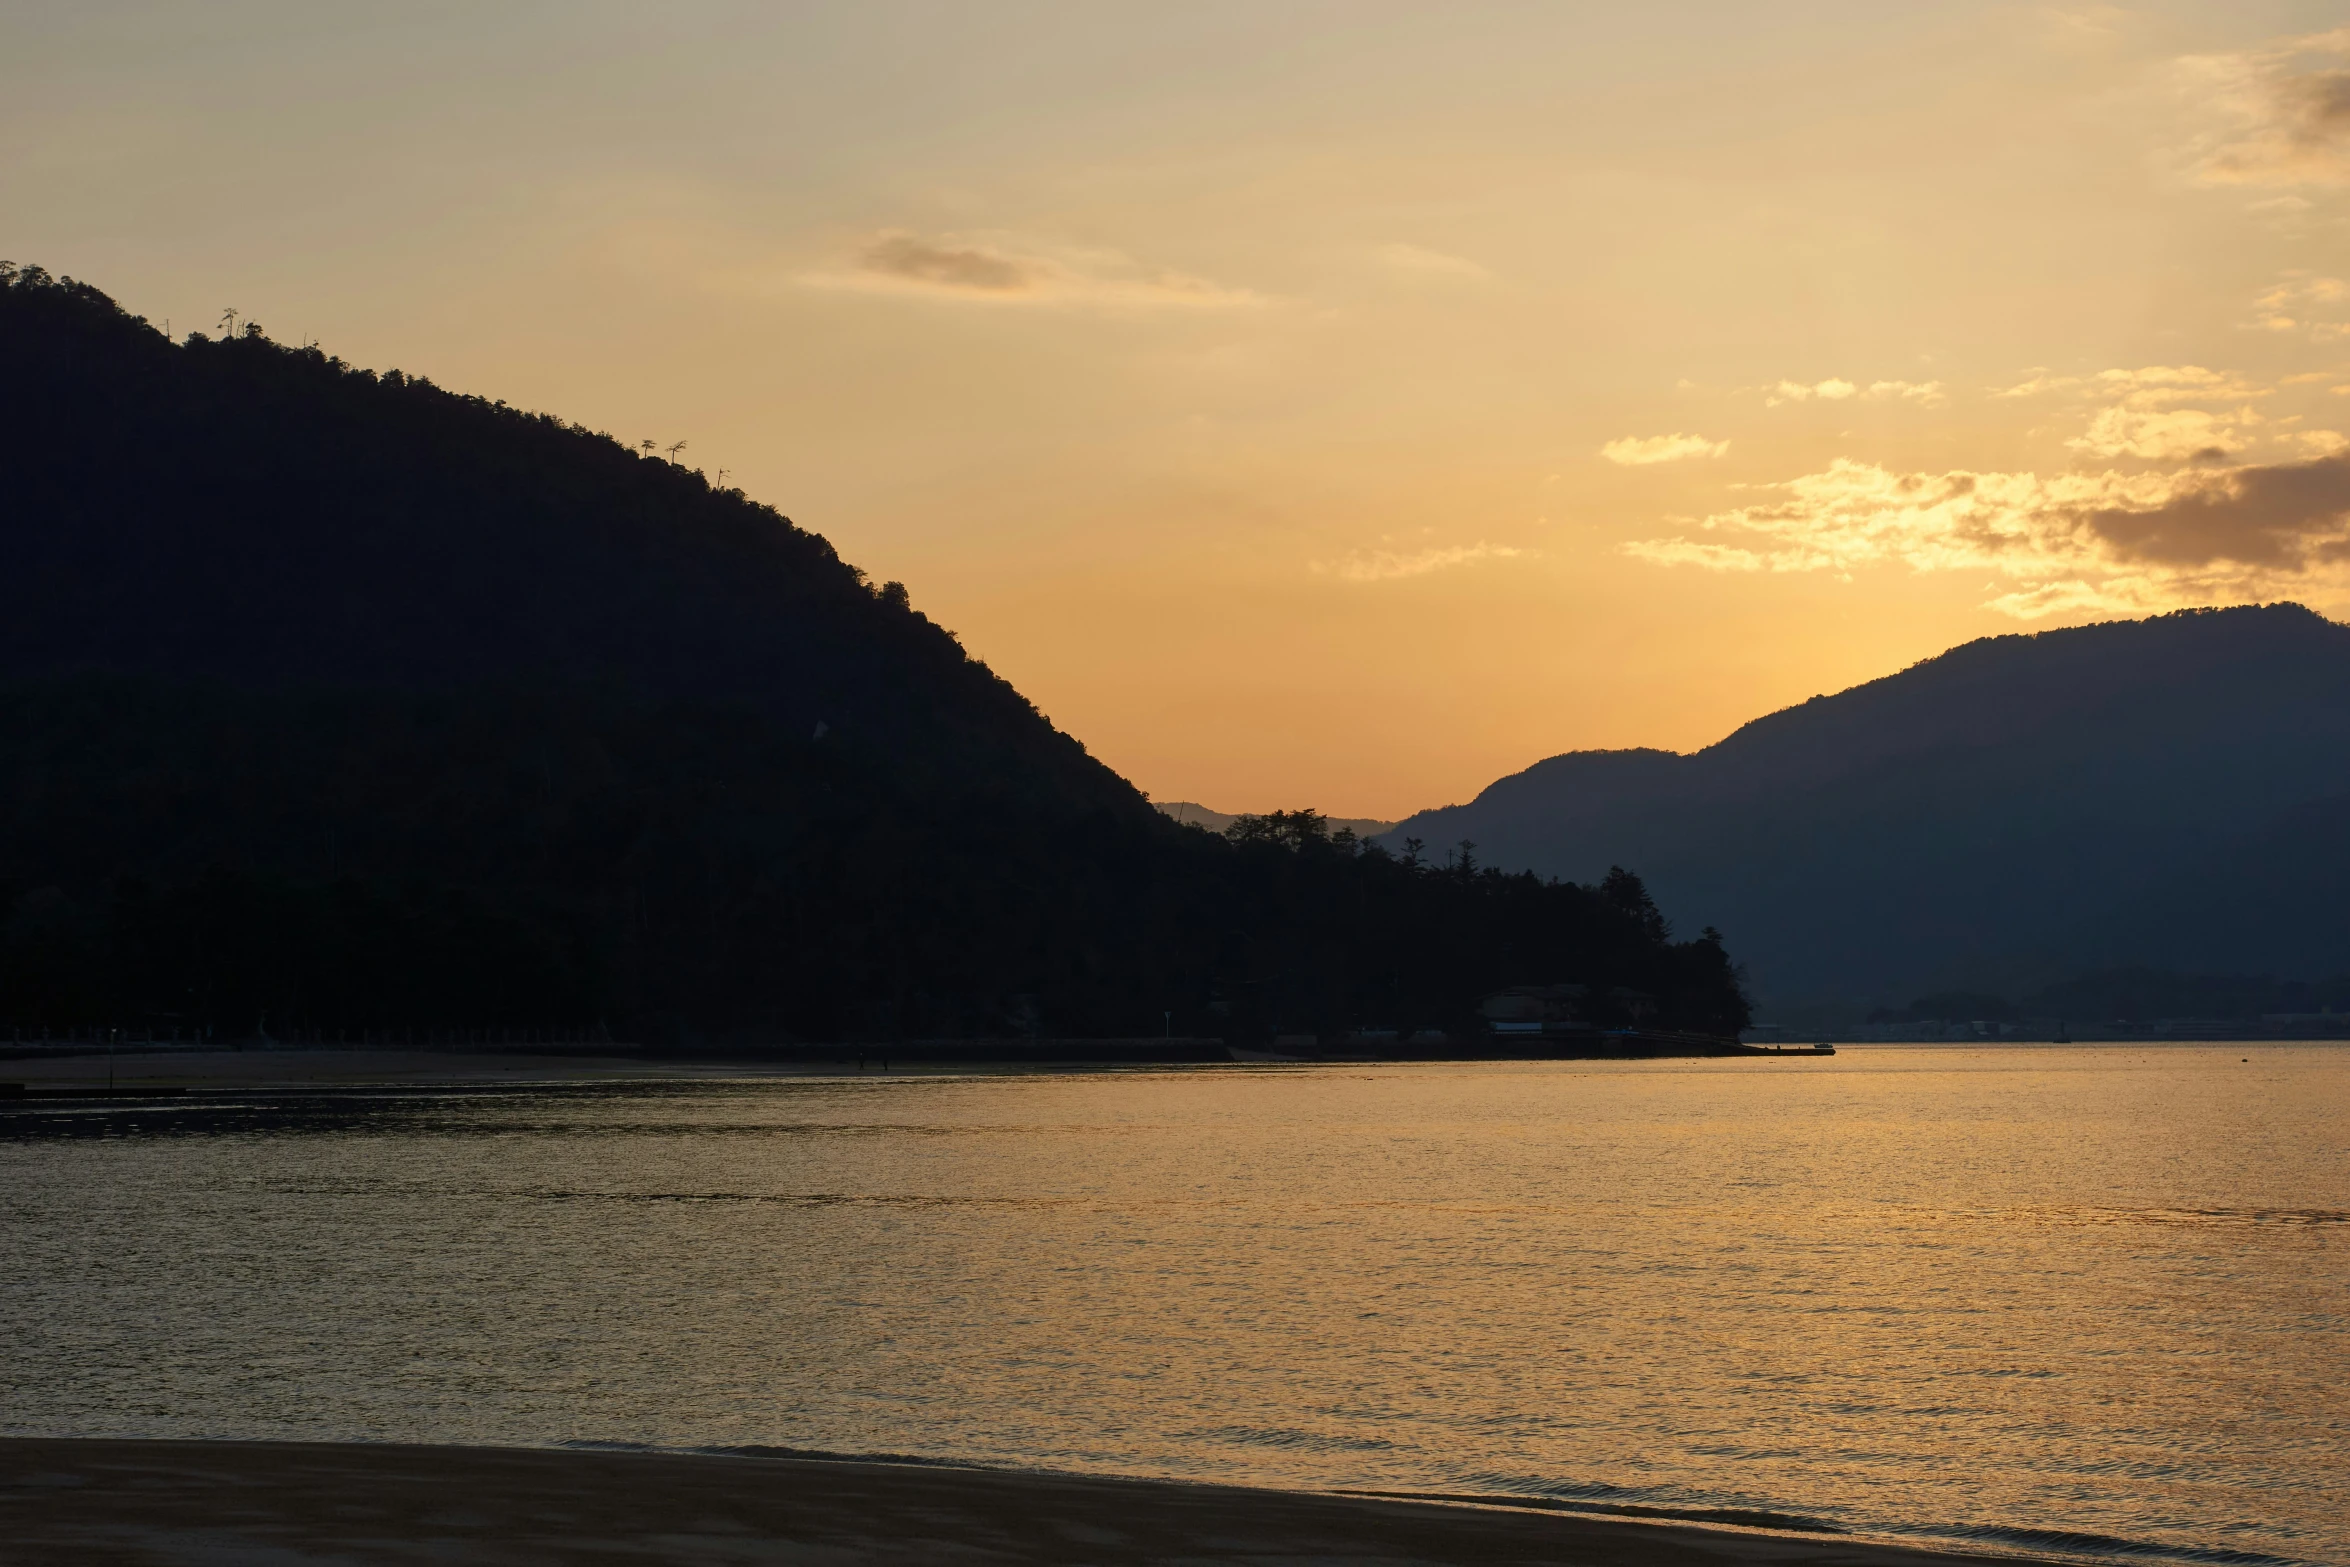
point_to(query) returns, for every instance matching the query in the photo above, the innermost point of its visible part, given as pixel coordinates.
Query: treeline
(1331, 932)
(207, 856)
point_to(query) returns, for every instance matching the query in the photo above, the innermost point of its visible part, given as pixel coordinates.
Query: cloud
(2289, 306)
(2145, 420)
(2152, 386)
(2082, 24)
(1837, 390)
(2283, 516)
(1003, 270)
(1433, 263)
(2041, 382)
(910, 258)
(1387, 565)
(1690, 552)
(2149, 386)
(1638, 451)
(2164, 434)
(2280, 206)
(2282, 115)
(1831, 390)
(2075, 540)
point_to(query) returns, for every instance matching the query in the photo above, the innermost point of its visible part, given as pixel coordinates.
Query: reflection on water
(2083, 1300)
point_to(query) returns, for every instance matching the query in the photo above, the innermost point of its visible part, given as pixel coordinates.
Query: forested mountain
(239, 510)
(2172, 792)
(339, 699)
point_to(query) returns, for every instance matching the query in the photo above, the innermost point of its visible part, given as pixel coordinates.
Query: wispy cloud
(2282, 114)
(2082, 24)
(2155, 386)
(1696, 552)
(2107, 539)
(1419, 262)
(1639, 451)
(909, 258)
(1837, 390)
(2303, 302)
(2142, 388)
(2041, 383)
(1000, 269)
(1389, 565)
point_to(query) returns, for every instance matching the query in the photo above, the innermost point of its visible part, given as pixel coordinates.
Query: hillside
(338, 700)
(2172, 792)
(239, 510)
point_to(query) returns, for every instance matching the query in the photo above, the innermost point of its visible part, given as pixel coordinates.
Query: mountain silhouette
(339, 700)
(240, 510)
(2172, 792)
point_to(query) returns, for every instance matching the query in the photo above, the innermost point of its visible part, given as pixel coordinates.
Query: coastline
(128, 1072)
(47, 1073)
(85, 1500)
(45, 1064)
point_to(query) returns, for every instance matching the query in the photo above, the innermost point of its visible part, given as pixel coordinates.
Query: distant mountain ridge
(2172, 791)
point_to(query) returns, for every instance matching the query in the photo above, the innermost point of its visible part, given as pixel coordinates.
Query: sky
(1316, 404)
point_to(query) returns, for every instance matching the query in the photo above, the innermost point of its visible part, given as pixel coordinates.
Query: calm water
(2101, 1292)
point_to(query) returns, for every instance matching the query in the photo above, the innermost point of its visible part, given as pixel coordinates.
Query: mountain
(242, 511)
(2172, 792)
(341, 701)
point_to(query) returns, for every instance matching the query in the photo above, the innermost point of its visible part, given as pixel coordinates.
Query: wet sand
(72, 1502)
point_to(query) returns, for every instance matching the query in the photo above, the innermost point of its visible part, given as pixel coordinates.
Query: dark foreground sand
(272, 1504)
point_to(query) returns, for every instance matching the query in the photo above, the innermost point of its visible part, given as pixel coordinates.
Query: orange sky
(1328, 404)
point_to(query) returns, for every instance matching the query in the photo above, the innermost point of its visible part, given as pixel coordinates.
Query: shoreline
(88, 1500)
(950, 1054)
(49, 1075)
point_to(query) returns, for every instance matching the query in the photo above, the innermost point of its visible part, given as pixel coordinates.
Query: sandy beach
(69, 1501)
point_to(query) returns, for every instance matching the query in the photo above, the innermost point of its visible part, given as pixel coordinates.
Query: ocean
(2090, 1301)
